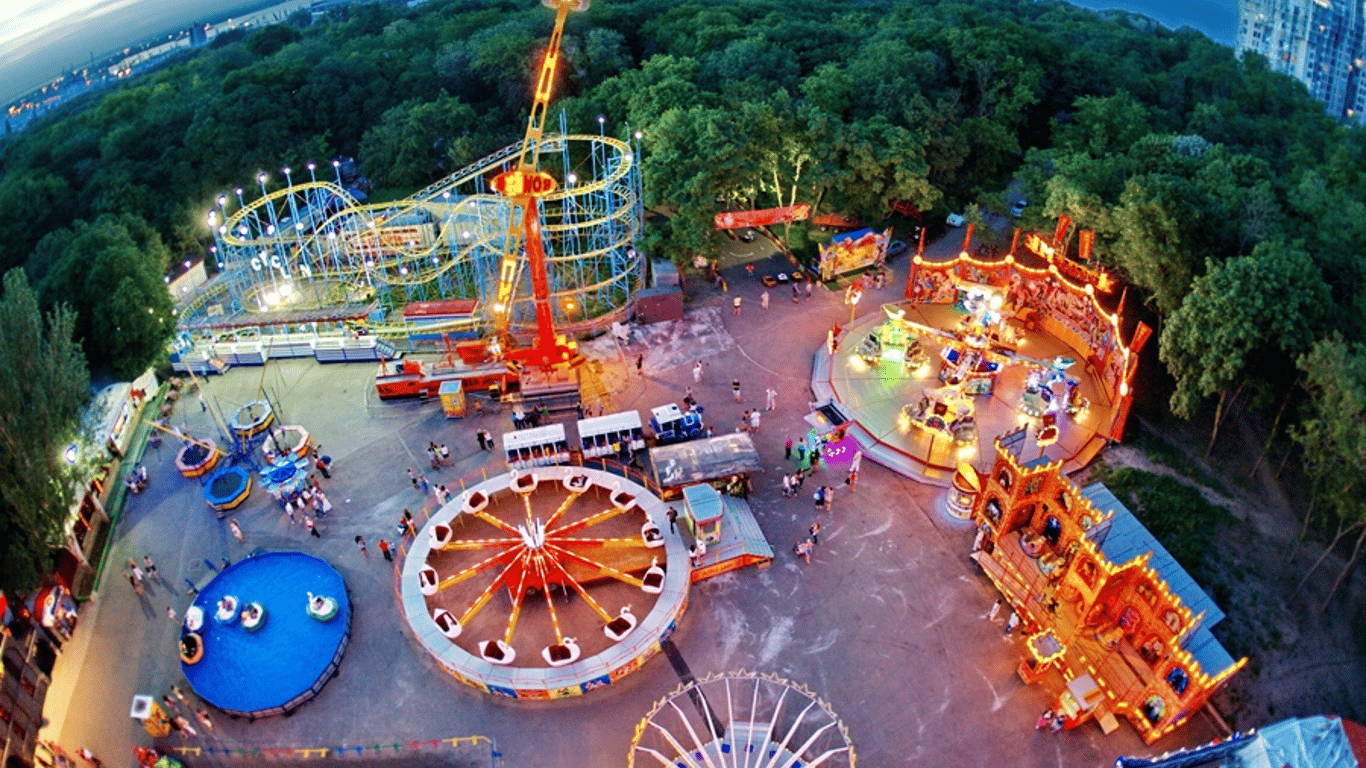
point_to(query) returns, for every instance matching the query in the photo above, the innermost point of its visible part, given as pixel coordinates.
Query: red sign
(518, 183)
(1086, 239)
(763, 216)
(1064, 223)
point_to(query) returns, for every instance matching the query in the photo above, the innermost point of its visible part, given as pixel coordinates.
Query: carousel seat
(440, 535)
(475, 501)
(653, 580)
(623, 500)
(525, 482)
(447, 623)
(650, 533)
(560, 654)
(577, 483)
(428, 581)
(497, 652)
(617, 629)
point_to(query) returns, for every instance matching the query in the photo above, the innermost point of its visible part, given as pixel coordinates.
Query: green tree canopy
(43, 384)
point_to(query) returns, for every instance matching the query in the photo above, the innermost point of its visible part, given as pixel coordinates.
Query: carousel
(978, 349)
(546, 583)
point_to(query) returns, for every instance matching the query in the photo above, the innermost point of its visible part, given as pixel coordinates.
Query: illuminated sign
(735, 219)
(521, 183)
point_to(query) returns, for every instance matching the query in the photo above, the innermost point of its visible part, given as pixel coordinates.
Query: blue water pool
(285, 662)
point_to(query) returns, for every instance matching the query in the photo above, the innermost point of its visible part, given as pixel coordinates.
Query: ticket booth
(704, 508)
(452, 399)
(536, 447)
(612, 434)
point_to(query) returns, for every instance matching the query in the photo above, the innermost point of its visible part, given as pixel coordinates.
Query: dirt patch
(1301, 660)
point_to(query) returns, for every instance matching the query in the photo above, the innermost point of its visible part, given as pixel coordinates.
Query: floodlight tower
(524, 186)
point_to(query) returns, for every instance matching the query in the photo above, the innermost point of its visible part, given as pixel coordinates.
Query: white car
(955, 220)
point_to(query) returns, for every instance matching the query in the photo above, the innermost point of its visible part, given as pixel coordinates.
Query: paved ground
(887, 622)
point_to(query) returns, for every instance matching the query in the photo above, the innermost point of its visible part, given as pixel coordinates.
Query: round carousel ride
(546, 583)
(741, 719)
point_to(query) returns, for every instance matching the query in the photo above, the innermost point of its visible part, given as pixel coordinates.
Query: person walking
(480, 436)
(322, 467)
(795, 294)
(184, 726)
(754, 420)
(697, 373)
(384, 550)
(1045, 720)
(996, 609)
(640, 364)
(787, 450)
(736, 305)
(171, 614)
(90, 758)
(771, 395)
(289, 510)
(412, 477)
(829, 497)
(180, 695)
(312, 527)
(735, 388)
(1011, 624)
(803, 550)
(202, 715)
(763, 300)
(423, 485)
(236, 530)
(810, 284)
(170, 705)
(137, 572)
(673, 520)
(787, 485)
(408, 523)
(815, 531)
(360, 544)
(149, 567)
(133, 581)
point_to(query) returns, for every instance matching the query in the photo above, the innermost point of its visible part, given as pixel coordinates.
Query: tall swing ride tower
(541, 233)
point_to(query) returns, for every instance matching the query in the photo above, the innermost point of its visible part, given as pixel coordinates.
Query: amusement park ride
(499, 360)
(974, 353)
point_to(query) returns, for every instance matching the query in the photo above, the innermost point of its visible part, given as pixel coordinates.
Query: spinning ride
(545, 583)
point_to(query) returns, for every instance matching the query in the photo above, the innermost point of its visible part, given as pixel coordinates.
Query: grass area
(1176, 514)
(1159, 451)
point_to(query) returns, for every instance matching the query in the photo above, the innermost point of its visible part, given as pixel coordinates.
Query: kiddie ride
(508, 362)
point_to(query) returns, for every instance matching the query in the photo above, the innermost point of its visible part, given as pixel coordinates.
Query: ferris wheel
(741, 720)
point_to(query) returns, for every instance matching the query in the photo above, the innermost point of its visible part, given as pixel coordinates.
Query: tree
(43, 384)
(1254, 307)
(1334, 441)
(111, 273)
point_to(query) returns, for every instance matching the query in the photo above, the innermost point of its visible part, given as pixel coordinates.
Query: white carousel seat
(475, 501)
(447, 623)
(428, 580)
(651, 534)
(440, 535)
(497, 652)
(560, 654)
(194, 618)
(617, 629)
(623, 500)
(653, 580)
(577, 483)
(524, 482)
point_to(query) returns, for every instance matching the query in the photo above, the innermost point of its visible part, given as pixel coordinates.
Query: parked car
(955, 220)
(1018, 208)
(897, 248)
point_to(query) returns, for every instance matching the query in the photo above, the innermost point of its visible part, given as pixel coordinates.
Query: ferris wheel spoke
(600, 567)
(496, 523)
(564, 507)
(487, 594)
(549, 601)
(699, 746)
(482, 543)
(587, 522)
(479, 567)
(577, 587)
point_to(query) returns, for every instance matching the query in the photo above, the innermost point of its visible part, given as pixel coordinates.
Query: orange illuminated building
(1112, 624)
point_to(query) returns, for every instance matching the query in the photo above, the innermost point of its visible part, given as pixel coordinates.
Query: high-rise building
(1318, 42)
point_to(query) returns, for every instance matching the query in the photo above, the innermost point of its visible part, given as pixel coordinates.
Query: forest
(1222, 196)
